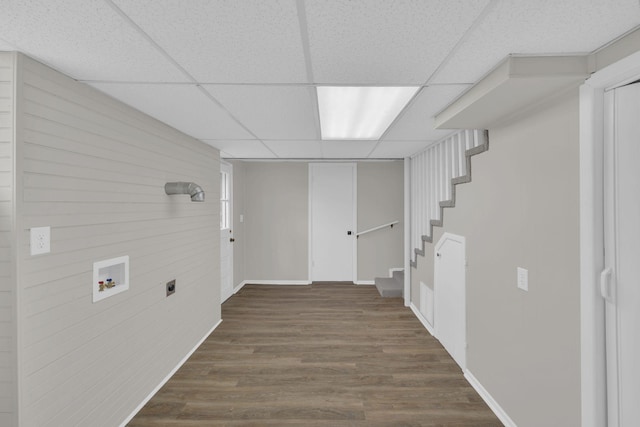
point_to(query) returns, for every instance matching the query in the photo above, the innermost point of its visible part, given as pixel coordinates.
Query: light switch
(40, 239)
(523, 279)
(241, 218)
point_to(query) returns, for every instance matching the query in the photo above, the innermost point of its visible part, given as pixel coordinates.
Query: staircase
(435, 173)
(391, 287)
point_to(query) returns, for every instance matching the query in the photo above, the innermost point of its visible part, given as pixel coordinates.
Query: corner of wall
(9, 386)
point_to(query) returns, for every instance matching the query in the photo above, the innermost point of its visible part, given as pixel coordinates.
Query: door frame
(355, 218)
(592, 308)
(229, 170)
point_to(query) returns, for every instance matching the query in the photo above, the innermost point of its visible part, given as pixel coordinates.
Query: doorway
(332, 222)
(226, 231)
(620, 278)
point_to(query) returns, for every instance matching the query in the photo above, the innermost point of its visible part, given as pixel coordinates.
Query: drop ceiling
(242, 75)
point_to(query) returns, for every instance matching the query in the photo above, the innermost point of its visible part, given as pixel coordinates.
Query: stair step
(388, 287)
(398, 275)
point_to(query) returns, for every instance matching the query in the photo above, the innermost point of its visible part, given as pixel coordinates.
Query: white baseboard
(484, 394)
(275, 282)
(289, 283)
(489, 400)
(173, 371)
(422, 319)
(240, 286)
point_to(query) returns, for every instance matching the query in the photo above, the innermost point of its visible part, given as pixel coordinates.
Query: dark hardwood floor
(319, 355)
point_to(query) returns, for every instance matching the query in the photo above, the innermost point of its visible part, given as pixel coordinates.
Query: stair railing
(379, 227)
(434, 174)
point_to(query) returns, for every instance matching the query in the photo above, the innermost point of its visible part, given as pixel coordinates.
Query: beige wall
(521, 210)
(380, 200)
(8, 402)
(274, 199)
(276, 220)
(94, 169)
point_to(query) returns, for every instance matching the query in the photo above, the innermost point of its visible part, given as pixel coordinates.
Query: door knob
(232, 240)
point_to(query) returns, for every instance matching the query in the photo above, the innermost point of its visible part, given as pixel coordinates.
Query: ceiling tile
(538, 27)
(242, 149)
(384, 42)
(226, 41)
(5, 47)
(296, 149)
(416, 122)
(398, 149)
(347, 149)
(271, 112)
(184, 107)
(85, 39)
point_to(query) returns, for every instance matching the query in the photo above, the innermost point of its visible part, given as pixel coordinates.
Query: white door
(332, 221)
(449, 295)
(226, 232)
(621, 278)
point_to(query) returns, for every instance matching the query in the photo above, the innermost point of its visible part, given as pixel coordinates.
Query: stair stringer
(451, 203)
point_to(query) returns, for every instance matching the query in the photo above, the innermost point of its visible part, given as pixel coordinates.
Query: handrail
(390, 224)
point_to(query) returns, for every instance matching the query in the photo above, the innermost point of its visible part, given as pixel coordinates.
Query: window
(225, 200)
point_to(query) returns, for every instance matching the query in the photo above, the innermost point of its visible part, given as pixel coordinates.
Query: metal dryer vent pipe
(191, 188)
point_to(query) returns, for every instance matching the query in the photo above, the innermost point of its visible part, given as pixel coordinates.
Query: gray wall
(276, 220)
(380, 200)
(272, 243)
(522, 210)
(8, 402)
(94, 169)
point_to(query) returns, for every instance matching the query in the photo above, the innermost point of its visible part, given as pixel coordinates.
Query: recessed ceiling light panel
(350, 112)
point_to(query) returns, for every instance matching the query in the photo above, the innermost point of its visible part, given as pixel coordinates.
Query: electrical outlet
(523, 279)
(40, 239)
(171, 287)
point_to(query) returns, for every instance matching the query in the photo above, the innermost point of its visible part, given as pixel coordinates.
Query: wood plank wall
(8, 402)
(94, 171)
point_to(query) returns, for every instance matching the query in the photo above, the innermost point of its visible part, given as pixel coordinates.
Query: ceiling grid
(242, 76)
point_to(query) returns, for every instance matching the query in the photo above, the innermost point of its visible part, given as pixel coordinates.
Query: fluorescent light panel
(351, 112)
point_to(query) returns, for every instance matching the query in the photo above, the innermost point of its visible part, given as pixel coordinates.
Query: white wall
(8, 401)
(94, 169)
(521, 210)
